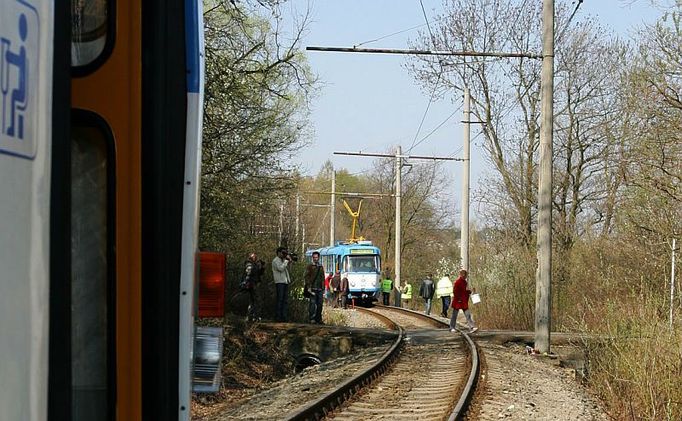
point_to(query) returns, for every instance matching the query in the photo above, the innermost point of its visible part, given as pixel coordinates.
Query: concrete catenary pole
(298, 218)
(672, 283)
(332, 211)
(543, 286)
(303, 241)
(398, 192)
(281, 222)
(464, 235)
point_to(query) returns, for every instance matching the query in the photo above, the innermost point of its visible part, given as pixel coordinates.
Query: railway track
(428, 373)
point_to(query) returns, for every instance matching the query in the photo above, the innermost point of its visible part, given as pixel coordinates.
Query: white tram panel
(190, 210)
(26, 31)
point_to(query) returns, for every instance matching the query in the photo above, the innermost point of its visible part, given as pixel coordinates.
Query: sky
(369, 102)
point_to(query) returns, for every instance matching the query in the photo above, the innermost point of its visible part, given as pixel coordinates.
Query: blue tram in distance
(359, 261)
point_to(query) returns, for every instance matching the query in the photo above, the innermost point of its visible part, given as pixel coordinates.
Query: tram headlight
(352, 284)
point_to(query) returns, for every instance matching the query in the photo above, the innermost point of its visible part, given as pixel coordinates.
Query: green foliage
(254, 120)
(636, 365)
(504, 274)
(446, 267)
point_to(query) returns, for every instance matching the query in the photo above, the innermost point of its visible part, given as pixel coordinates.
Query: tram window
(365, 264)
(90, 30)
(91, 283)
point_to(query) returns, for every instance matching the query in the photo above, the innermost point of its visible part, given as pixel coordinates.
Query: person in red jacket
(460, 301)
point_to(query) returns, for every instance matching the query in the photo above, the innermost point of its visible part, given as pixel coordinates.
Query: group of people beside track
(453, 295)
(319, 288)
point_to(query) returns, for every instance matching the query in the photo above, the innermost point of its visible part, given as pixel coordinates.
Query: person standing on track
(406, 294)
(280, 273)
(335, 285)
(460, 301)
(444, 292)
(344, 292)
(386, 288)
(328, 289)
(314, 282)
(426, 291)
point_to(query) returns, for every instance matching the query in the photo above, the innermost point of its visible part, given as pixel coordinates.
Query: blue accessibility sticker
(19, 76)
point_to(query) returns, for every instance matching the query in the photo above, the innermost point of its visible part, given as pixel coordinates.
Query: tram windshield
(365, 264)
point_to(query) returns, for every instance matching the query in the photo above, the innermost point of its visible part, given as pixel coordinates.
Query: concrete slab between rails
(527, 337)
(325, 341)
(431, 336)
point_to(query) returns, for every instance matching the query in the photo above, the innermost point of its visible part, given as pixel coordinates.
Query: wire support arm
(422, 52)
(386, 155)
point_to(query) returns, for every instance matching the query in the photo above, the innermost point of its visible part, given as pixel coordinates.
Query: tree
(505, 93)
(255, 118)
(506, 96)
(653, 171)
(426, 233)
(586, 128)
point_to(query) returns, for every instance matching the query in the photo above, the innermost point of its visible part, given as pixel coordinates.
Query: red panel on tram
(211, 284)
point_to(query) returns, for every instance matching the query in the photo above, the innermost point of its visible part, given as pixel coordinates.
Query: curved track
(429, 373)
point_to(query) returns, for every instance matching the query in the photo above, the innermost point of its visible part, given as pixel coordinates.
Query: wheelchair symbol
(14, 95)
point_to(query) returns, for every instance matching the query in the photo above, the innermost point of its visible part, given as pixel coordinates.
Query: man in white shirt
(280, 273)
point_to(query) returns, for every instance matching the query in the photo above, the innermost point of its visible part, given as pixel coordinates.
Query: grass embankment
(251, 360)
(611, 292)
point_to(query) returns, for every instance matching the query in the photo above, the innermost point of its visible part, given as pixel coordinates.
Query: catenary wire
(390, 35)
(426, 111)
(513, 25)
(435, 86)
(435, 129)
(568, 22)
(426, 19)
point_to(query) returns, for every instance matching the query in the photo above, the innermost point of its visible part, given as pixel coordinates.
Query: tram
(360, 262)
(100, 135)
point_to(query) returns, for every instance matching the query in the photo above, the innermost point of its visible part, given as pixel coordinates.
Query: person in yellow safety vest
(386, 288)
(444, 292)
(407, 294)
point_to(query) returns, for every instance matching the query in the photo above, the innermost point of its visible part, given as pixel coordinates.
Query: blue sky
(369, 102)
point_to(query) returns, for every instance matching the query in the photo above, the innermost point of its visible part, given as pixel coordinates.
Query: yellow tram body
(113, 92)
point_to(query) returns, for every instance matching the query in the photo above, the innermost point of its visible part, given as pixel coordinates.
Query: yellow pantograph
(355, 216)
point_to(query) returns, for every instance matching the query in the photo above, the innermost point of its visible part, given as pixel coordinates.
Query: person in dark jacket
(426, 291)
(314, 283)
(343, 291)
(253, 271)
(335, 285)
(460, 301)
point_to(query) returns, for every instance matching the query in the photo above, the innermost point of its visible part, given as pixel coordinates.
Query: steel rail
(470, 386)
(324, 404)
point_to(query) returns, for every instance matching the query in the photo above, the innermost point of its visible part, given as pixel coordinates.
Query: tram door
(104, 355)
